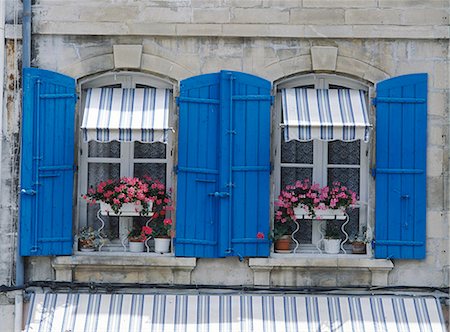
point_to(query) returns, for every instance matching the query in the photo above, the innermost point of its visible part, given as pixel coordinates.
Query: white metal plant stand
(321, 217)
(127, 210)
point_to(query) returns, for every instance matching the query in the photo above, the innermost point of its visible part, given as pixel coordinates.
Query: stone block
(280, 30)
(211, 15)
(246, 30)
(328, 31)
(440, 75)
(282, 3)
(436, 226)
(437, 103)
(412, 67)
(351, 66)
(151, 29)
(412, 3)
(259, 15)
(7, 314)
(90, 66)
(222, 271)
(243, 3)
(165, 67)
(206, 4)
(435, 157)
(425, 49)
(435, 194)
(199, 29)
(316, 16)
(324, 57)
(435, 136)
(127, 56)
(425, 16)
(340, 3)
(373, 16)
(111, 13)
(167, 15)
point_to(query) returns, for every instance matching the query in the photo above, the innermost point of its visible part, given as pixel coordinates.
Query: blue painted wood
(246, 133)
(47, 163)
(197, 207)
(223, 179)
(401, 167)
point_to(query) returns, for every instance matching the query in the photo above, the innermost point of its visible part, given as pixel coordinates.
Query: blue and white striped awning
(126, 115)
(249, 312)
(334, 114)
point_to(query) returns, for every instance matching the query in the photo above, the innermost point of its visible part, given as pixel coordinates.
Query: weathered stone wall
(375, 39)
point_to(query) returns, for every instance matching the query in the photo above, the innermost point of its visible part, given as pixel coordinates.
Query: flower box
(127, 209)
(326, 214)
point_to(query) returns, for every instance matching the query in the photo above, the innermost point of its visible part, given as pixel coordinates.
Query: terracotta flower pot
(358, 247)
(283, 243)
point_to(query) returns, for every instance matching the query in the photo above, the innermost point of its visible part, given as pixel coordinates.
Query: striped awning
(249, 312)
(334, 114)
(126, 115)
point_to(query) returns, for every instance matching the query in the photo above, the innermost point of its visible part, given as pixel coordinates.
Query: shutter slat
(47, 163)
(401, 167)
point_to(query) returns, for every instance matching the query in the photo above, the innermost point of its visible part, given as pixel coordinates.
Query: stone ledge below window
(306, 271)
(122, 268)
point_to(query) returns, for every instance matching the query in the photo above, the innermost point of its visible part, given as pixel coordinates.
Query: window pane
(344, 153)
(289, 175)
(296, 152)
(98, 172)
(348, 177)
(104, 150)
(154, 170)
(351, 228)
(149, 150)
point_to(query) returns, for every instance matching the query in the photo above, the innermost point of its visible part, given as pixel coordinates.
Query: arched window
(99, 161)
(322, 162)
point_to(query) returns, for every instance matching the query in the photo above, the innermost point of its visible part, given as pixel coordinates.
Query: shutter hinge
(272, 100)
(175, 169)
(373, 172)
(374, 101)
(177, 101)
(271, 167)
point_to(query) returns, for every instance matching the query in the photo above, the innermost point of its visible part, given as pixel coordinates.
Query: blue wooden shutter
(198, 170)
(223, 166)
(401, 142)
(245, 164)
(47, 163)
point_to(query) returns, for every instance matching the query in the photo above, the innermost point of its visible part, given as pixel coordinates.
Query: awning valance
(126, 115)
(248, 312)
(325, 114)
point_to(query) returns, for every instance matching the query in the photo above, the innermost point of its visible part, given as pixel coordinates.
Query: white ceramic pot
(332, 246)
(136, 246)
(162, 245)
(127, 209)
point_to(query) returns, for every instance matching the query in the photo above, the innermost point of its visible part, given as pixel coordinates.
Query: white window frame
(126, 160)
(320, 148)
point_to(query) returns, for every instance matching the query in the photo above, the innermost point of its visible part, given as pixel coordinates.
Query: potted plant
(90, 239)
(359, 242)
(332, 241)
(134, 195)
(161, 223)
(304, 198)
(282, 230)
(137, 237)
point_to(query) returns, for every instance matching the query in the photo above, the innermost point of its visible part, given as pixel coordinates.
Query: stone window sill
(124, 267)
(263, 267)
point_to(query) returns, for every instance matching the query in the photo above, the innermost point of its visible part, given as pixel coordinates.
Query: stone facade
(369, 40)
